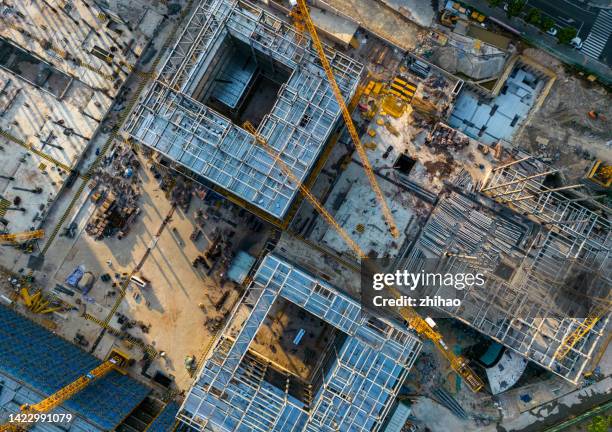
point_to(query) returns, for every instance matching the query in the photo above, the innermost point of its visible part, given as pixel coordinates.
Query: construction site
(192, 193)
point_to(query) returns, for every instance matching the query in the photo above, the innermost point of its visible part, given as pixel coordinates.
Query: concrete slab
(378, 19)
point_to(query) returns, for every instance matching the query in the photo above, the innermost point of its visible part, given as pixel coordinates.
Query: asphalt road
(572, 13)
(567, 13)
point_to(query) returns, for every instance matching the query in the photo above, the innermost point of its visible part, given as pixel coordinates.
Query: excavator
(48, 404)
(458, 363)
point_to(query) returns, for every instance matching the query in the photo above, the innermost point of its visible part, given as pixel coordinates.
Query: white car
(552, 31)
(576, 42)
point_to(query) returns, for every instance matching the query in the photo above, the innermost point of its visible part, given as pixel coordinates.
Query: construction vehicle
(594, 115)
(448, 19)
(424, 327)
(601, 174)
(303, 21)
(22, 236)
(37, 303)
(53, 401)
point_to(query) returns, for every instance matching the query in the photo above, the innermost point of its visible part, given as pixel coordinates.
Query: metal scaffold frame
(358, 386)
(171, 121)
(528, 311)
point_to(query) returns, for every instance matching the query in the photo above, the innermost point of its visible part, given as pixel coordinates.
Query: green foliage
(547, 23)
(495, 3)
(515, 7)
(599, 424)
(566, 34)
(534, 16)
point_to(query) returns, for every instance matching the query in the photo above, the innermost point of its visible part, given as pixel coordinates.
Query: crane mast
(458, 363)
(302, 20)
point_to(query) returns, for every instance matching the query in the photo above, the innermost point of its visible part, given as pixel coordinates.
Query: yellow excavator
(458, 363)
(46, 405)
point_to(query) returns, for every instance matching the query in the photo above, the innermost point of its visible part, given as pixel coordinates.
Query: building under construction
(233, 63)
(298, 355)
(35, 363)
(547, 264)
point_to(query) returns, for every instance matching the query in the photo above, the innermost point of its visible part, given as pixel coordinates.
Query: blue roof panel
(45, 362)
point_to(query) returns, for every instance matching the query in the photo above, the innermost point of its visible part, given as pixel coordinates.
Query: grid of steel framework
(529, 309)
(358, 387)
(169, 120)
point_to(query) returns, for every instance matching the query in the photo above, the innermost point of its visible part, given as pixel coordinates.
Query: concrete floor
(380, 20)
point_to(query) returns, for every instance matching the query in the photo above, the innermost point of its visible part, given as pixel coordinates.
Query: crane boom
(580, 331)
(304, 190)
(302, 16)
(62, 395)
(458, 363)
(22, 236)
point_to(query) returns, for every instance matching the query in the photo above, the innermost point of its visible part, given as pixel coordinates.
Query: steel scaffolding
(170, 120)
(360, 378)
(528, 302)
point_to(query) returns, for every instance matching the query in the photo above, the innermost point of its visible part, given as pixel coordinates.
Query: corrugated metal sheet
(32, 355)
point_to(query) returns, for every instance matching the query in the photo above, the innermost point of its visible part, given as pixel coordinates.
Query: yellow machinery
(398, 94)
(601, 174)
(22, 236)
(303, 21)
(583, 328)
(62, 395)
(414, 320)
(37, 303)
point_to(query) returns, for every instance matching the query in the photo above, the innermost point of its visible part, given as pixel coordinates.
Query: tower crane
(458, 363)
(62, 395)
(22, 236)
(303, 21)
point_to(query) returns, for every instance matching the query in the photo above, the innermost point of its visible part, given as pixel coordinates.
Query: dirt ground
(174, 308)
(574, 139)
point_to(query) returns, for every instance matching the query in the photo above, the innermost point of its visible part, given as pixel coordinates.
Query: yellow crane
(580, 331)
(22, 236)
(458, 363)
(65, 393)
(303, 21)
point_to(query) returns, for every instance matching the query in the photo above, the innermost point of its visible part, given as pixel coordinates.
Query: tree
(515, 7)
(566, 34)
(534, 16)
(495, 3)
(599, 424)
(547, 23)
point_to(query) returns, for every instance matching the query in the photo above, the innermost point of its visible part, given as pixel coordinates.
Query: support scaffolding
(171, 121)
(359, 378)
(530, 301)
